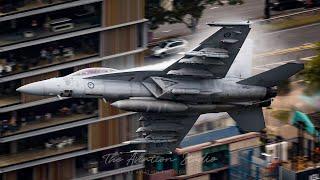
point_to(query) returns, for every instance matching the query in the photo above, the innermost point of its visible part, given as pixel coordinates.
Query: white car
(169, 47)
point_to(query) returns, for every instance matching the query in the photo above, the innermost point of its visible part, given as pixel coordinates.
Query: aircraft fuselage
(192, 95)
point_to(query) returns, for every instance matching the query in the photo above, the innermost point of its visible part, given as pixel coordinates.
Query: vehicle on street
(168, 47)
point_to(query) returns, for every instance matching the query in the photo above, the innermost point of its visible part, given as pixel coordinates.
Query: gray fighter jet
(210, 78)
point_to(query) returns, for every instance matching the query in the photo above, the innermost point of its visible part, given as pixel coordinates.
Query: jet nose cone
(36, 88)
(22, 89)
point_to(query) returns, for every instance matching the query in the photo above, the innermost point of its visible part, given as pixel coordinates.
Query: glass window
(140, 34)
(92, 71)
(37, 117)
(48, 54)
(215, 157)
(123, 62)
(173, 44)
(49, 24)
(25, 174)
(163, 44)
(179, 43)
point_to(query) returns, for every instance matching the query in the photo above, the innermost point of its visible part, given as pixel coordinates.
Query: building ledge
(47, 126)
(49, 39)
(66, 65)
(12, 159)
(57, 158)
(12, 38)
(67, 35)
(76, 57)
(58, 127)
(31, 104)
(9, 100)
(111, 172)
(45, 9)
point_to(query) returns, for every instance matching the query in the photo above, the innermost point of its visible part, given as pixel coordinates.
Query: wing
(212, 59)
(215, 55)
(162, 133)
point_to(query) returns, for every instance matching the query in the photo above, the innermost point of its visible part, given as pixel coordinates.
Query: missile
(161, 127)
(152, 106)
(147, 141)
(162, 106)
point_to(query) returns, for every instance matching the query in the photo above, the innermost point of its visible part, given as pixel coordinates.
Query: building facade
(209, 159)
(61, 138)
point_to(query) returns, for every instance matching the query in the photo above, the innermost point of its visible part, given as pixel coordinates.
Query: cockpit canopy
(92, 71)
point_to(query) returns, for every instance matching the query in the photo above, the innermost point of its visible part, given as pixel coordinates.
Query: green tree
(312, 72)
(156, 14)
(189, 12)
(284, 87)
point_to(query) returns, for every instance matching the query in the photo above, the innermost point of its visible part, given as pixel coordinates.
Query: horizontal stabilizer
(274, 76)
(249, 119)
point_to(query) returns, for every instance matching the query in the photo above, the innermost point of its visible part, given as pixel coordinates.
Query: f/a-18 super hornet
(208, 79)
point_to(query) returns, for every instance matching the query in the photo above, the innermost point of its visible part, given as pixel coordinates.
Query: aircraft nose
(36, 88)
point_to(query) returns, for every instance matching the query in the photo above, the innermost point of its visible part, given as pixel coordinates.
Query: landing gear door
(67, 90)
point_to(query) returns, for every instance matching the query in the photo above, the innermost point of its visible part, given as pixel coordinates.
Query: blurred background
(50, 138)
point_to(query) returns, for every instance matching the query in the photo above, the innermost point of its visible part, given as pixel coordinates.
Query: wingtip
(297, 64)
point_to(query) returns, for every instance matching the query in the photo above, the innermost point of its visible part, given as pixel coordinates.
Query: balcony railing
(50, 24)
(9, 100)
(48, 123)
(17, 124)
(39, 153)
(18, 67)
(49, 54)
(20, 6)
(28, 34)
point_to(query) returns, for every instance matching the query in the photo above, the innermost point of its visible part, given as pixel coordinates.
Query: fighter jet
(209, 79)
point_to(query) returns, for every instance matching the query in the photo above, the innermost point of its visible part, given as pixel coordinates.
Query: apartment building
(203, 156)
(61, 138)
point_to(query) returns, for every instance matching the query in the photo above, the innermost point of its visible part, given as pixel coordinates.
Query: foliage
(156, 15)
(311, 72)
(284, 88)
(187, 12)
(234, 2)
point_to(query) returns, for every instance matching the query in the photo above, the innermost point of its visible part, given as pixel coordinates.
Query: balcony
(49, 54)
(8, 94)
(47, 145)
(37, 154)
(50, 24)
(63, 112)
(8, 7)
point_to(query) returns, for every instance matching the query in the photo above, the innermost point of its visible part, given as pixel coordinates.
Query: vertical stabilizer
(250, 119)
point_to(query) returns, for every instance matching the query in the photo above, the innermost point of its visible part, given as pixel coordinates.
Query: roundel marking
(90, 85)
